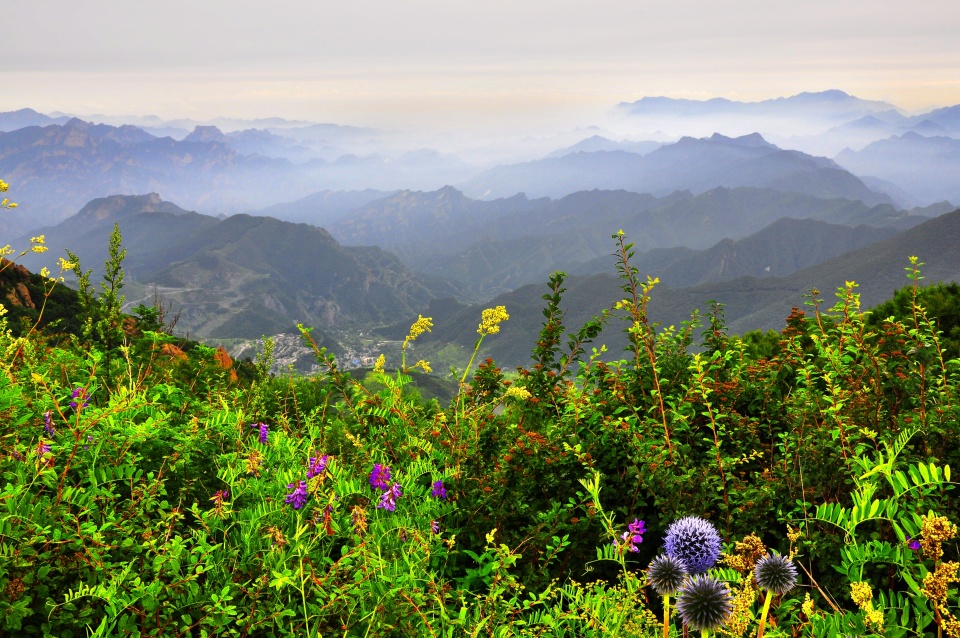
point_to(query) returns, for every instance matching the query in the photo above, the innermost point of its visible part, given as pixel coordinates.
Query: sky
(459, 63)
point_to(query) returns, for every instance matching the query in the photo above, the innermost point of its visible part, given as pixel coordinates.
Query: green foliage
(149, 491)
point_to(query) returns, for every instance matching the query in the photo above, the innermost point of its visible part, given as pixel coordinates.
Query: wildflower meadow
(790, 484)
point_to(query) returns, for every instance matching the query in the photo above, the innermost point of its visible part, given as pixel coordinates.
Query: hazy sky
(458, 63)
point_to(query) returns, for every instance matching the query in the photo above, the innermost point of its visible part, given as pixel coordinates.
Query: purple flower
(435, 527)
(632, 537)
(439, 491)
(80, 398)
(693, 541)
(913, 543)
(704, 603)
(298, 497)
(380, 477)
(389, 499)
(264, 431)
(220, 496)
(43, 448)
(666, 574)
(776, 573)
(48, 424)
(317, 466)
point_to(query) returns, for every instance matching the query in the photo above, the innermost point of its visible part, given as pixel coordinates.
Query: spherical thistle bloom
(695, 542)
(704, 603)
(438, 491)
(380, 477)
(317, 466)
(48, 424)
(298, 497)
(388, 500)
(776, 573)
(666, 574)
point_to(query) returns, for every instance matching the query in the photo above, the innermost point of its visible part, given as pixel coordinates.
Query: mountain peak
(206, 134)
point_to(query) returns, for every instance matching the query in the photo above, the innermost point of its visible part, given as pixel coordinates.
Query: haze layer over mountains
(253, 226)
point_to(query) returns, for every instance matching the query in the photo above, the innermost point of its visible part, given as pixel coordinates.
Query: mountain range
(749, 303)
(690, 164)
(489, 247)
(241, 277)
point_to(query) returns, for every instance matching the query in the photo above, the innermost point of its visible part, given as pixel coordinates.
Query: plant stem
(763, 614)
(666, 616)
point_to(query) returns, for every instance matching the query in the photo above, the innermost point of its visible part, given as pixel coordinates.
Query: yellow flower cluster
(933, 532)
(747, 553)
(807, 606)
(421, 325)
(862, 595)
(37, 242)
(517, 392)
(378, 366)
(6, 203)
(937, 582)
(423, 365)
(491, 319)
(742, 616)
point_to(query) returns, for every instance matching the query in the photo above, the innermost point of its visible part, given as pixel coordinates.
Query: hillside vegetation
(793, 484)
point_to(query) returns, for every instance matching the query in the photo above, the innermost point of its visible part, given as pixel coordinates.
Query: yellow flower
(807, 606)
(423, 365)
(491, 319)
(66, 265)
(3, 186)
(861, 593)
(421, 325)
(378, 366)
(45, 272)
(517, 392)
(39, 239)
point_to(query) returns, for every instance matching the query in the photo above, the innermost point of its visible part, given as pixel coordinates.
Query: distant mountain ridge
(750, 303)
(243, 276)
(695, 164)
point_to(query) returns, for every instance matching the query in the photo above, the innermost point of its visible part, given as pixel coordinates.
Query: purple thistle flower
(380, 477)
(264, 431)
(317, 466)
(79, 398)
(439, 491)
(666, 574)
(776, 573)
(48, 424)
(298, 497)
(693, 541)
(389, 499)
(704, 603)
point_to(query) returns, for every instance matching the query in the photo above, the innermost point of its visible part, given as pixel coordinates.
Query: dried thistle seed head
(704, 603)
(666, 574)
(776, 573)
(693, 541)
